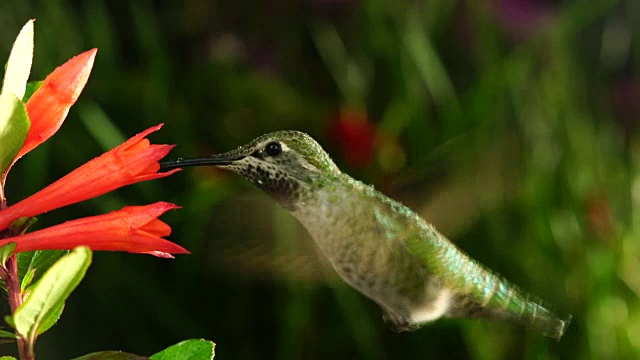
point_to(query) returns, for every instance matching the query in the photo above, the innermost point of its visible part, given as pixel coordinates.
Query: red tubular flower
(134, 229)
(133, 161)
(49, 105)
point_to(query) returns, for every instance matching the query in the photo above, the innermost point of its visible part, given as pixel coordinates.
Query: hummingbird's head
(283, 164)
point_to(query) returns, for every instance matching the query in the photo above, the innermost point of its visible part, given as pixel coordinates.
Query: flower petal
(134, 161)
(49, 105)
(121, 230)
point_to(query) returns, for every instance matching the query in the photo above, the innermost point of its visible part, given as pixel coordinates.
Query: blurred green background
(511, 125)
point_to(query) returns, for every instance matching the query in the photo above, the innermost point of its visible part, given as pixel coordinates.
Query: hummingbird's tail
(521, 309)
(528, 310)
(549, 324)
(482, 293)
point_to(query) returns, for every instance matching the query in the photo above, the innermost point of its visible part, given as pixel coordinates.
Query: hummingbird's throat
(268, 178)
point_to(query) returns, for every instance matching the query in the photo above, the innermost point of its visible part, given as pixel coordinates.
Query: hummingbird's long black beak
(213, 160)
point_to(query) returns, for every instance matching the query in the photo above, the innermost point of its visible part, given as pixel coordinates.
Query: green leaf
(110, 355)
(14, 126)
(7, 358)
(19, 64)
(32, 86)
(24, 262)
(20, 226)
(51, 319)
(9, 320)
(27, 279)
(7, 335)
(51, 291)
(6, 251)
(194, 349)
(39, 260)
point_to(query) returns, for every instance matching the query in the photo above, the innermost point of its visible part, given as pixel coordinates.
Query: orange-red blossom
(133, 161)
(49, 105)
(133, 229)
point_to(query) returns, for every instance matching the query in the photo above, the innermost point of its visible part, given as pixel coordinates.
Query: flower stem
(25, 347)
(3, 200)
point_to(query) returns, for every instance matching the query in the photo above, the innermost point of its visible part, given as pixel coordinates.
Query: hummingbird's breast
(362, 237)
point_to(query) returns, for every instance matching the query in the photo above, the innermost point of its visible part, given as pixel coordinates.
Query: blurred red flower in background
(355, 136)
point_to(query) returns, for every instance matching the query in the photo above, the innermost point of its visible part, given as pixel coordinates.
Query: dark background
(511, 125)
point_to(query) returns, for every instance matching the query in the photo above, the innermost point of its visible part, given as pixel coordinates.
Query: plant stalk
(25, 347)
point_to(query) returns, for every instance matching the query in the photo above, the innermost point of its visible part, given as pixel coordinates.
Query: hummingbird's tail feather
(529, 313)
(526, 309)
(550, 325)
(539, 319)
(482, 293)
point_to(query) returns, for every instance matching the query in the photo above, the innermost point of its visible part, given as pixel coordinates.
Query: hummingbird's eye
(273, 148)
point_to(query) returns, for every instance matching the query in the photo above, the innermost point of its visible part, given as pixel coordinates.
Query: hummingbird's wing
(473, 186)
(245, 242)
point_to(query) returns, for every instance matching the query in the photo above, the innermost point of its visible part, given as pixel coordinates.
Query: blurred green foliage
(512, 125)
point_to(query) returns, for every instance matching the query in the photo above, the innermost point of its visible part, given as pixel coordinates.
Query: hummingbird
(375, 244)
